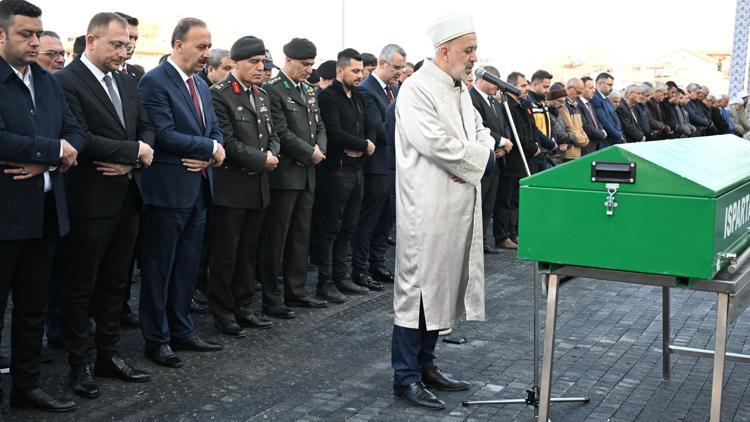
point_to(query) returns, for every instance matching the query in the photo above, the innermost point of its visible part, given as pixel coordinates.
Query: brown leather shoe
(508, 244)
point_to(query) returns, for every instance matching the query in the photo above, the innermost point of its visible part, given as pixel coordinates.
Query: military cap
(327, 70)
(246, 47)
(314, 77)
(268, 63)
(300, 49)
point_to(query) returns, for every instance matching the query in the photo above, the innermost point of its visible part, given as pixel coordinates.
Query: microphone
(499, 83)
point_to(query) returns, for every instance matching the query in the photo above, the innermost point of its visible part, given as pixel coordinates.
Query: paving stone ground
(334, 364)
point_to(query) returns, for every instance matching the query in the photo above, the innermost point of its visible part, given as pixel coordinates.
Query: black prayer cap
(246, 47)
(313, 78)
(300, 49)
(327, 70)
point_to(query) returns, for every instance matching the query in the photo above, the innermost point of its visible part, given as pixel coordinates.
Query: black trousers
(233, 254)
(370, 238)
(412, 351)
(505, 221)
(285, 237)
(489, 196)
(25, 272)
(337, 204)
(59, 272)
(99, 257)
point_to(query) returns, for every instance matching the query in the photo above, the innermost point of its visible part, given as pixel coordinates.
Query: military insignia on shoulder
(273, 81)
(218, 86)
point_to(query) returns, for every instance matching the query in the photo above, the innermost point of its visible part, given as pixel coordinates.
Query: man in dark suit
(370, 239)
(340, 178)
(483, 97)
(39, 140)
(105, 203)
(135, 71)
(630, 117)
(240, 187)
(286, 232)
(176, 190)
(127, 316)
(605, 113)
(591, 125)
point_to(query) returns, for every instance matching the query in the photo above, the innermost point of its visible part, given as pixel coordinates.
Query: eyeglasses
(116, 45)
(53, 54)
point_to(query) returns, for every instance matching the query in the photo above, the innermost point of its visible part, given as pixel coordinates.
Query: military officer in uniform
(241, 191)
(286, 229)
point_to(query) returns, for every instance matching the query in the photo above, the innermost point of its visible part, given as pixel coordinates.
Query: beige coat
(575, 124)
(439, 253)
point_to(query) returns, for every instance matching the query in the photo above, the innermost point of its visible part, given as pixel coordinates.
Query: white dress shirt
(99, 75)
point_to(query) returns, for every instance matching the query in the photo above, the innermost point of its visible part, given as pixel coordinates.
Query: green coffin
(676, 207)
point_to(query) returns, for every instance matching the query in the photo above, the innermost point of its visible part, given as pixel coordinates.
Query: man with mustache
(176, 192)
(442, 152)
(51, 52)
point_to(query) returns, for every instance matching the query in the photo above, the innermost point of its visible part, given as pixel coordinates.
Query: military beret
(246, 47)
(300, 49)
(327, 70)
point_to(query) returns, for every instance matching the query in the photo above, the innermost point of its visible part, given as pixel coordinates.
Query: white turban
(450, 27)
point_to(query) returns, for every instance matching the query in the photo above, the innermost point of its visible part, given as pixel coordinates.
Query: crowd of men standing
(559, 122)
(205, 173)
(208, 174)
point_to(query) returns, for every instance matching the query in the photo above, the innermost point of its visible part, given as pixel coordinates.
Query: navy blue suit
(175, 217)
(30, 219)
(370, 239)
(607, 117)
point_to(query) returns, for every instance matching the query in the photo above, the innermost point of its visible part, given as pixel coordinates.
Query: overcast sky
(521, 35)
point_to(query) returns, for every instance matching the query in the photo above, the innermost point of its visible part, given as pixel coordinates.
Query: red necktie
(196, 100)
(388, 93)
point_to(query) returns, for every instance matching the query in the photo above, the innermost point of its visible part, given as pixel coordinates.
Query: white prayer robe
(439, 249)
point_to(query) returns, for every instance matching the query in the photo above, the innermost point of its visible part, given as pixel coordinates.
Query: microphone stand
(532, 394)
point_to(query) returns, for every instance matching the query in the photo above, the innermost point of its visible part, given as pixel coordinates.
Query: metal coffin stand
(733, 296)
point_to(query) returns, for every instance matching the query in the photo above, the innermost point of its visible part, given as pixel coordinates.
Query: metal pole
(515, 135)
(666, 334)
(343, 24)
(717, 380)
(739, 47)
(549, 347)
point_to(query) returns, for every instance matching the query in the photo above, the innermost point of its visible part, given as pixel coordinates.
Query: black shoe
(435, 378)
(254, 320)
(489, 250)
(195, 344)
(229, 327)
(306, 302)
(129, 320)
(364, 280)
(200, 297)
(382, 274)
(278, 311)
(327, 291)
(39, 399)
(417, 394)
(116, 367)
(347, 286)
(197, 308)
(82, 381)
(164, 356)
